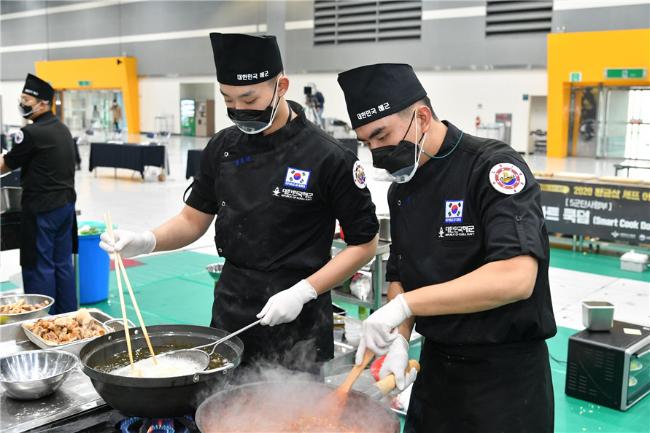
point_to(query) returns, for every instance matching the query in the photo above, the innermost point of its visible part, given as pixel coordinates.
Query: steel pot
(292, 407)
(10, 197)
(384, 227)
(158, 397)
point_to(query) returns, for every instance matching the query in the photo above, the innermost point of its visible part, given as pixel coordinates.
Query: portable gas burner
(107, 420)
(157, 425)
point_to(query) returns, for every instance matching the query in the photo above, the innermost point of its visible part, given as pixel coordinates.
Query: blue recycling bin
(94, 265)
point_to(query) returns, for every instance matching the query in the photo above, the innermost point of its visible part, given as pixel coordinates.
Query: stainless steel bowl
(29, 299)
(214, 270)
(35, 373)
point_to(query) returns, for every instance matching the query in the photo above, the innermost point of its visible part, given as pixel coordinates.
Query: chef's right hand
(396, 362)
(128, 243)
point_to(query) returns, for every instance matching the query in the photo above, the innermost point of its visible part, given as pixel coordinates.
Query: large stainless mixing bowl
(29, 299)
(35, 373)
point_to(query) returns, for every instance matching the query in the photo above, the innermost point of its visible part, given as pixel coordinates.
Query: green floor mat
(170, 288)
(594, 264)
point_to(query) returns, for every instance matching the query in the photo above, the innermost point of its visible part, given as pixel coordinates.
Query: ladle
(201, 357)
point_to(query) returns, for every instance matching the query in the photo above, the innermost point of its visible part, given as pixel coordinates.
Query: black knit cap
(376, 91)
(38, 88)
(242, 60)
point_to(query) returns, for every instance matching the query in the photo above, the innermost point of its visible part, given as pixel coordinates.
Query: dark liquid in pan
(121, 359)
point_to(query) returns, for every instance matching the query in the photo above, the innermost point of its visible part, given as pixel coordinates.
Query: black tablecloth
(193, 163)
(128, 155)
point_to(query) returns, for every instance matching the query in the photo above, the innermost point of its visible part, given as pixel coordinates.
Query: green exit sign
(575, 77)
(84, 83)
(625, 73)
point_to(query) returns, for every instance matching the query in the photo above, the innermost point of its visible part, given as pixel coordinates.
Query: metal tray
(75, 396)
(75, 346)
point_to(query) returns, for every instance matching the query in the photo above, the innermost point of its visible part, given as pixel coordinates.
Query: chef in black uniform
(277, 184)
(468, 264)
(44, 150)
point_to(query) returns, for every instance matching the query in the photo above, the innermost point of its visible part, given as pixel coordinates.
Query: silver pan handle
(224, 369)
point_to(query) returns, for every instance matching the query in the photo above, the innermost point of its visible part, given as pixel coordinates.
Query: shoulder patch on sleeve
(359, 175)
(507, 178)
(19, 136)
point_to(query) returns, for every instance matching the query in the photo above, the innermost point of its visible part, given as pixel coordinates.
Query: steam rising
(278, 400)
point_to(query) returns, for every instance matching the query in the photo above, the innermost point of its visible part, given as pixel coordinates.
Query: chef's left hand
(285, 306)
(378, 330)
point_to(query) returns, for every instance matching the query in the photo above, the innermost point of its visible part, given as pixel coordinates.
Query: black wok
(158, 397)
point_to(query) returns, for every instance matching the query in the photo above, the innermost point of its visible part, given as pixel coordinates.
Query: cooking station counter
(75, 396)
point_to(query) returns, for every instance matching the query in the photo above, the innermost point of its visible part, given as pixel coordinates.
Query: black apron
(247, 234)
(487, 389)
(302, 345)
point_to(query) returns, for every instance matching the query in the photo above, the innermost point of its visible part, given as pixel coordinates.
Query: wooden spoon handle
(387, 384)
(354, 374)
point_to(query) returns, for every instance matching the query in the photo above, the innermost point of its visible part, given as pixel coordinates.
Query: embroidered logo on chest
(456, 232)
(296, 178)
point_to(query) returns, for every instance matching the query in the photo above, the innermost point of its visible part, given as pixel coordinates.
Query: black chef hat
(38, 88)
(244, 59)
(376, 91)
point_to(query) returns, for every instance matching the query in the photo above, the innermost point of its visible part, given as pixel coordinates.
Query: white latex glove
(396, 362)
(128, 243)
(285, 306)
(378, 330)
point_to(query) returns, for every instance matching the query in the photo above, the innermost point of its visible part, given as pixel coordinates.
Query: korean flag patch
(297, 178)
(454, 211)
(507, 178)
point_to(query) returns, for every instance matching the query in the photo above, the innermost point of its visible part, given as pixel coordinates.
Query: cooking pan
(292, 407)
(157, 397)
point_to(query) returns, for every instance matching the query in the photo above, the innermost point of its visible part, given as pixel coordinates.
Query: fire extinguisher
(477, 121)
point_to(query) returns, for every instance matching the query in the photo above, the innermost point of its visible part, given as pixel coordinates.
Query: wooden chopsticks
(120, 269)
(125, 321)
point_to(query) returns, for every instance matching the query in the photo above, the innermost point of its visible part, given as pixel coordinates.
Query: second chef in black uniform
(277, 184)
(469, 264)
(44, 150)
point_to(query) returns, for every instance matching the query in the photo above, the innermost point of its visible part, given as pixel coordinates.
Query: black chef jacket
(276, 198)
(431, 245)
(45, 152)
(486, 371)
